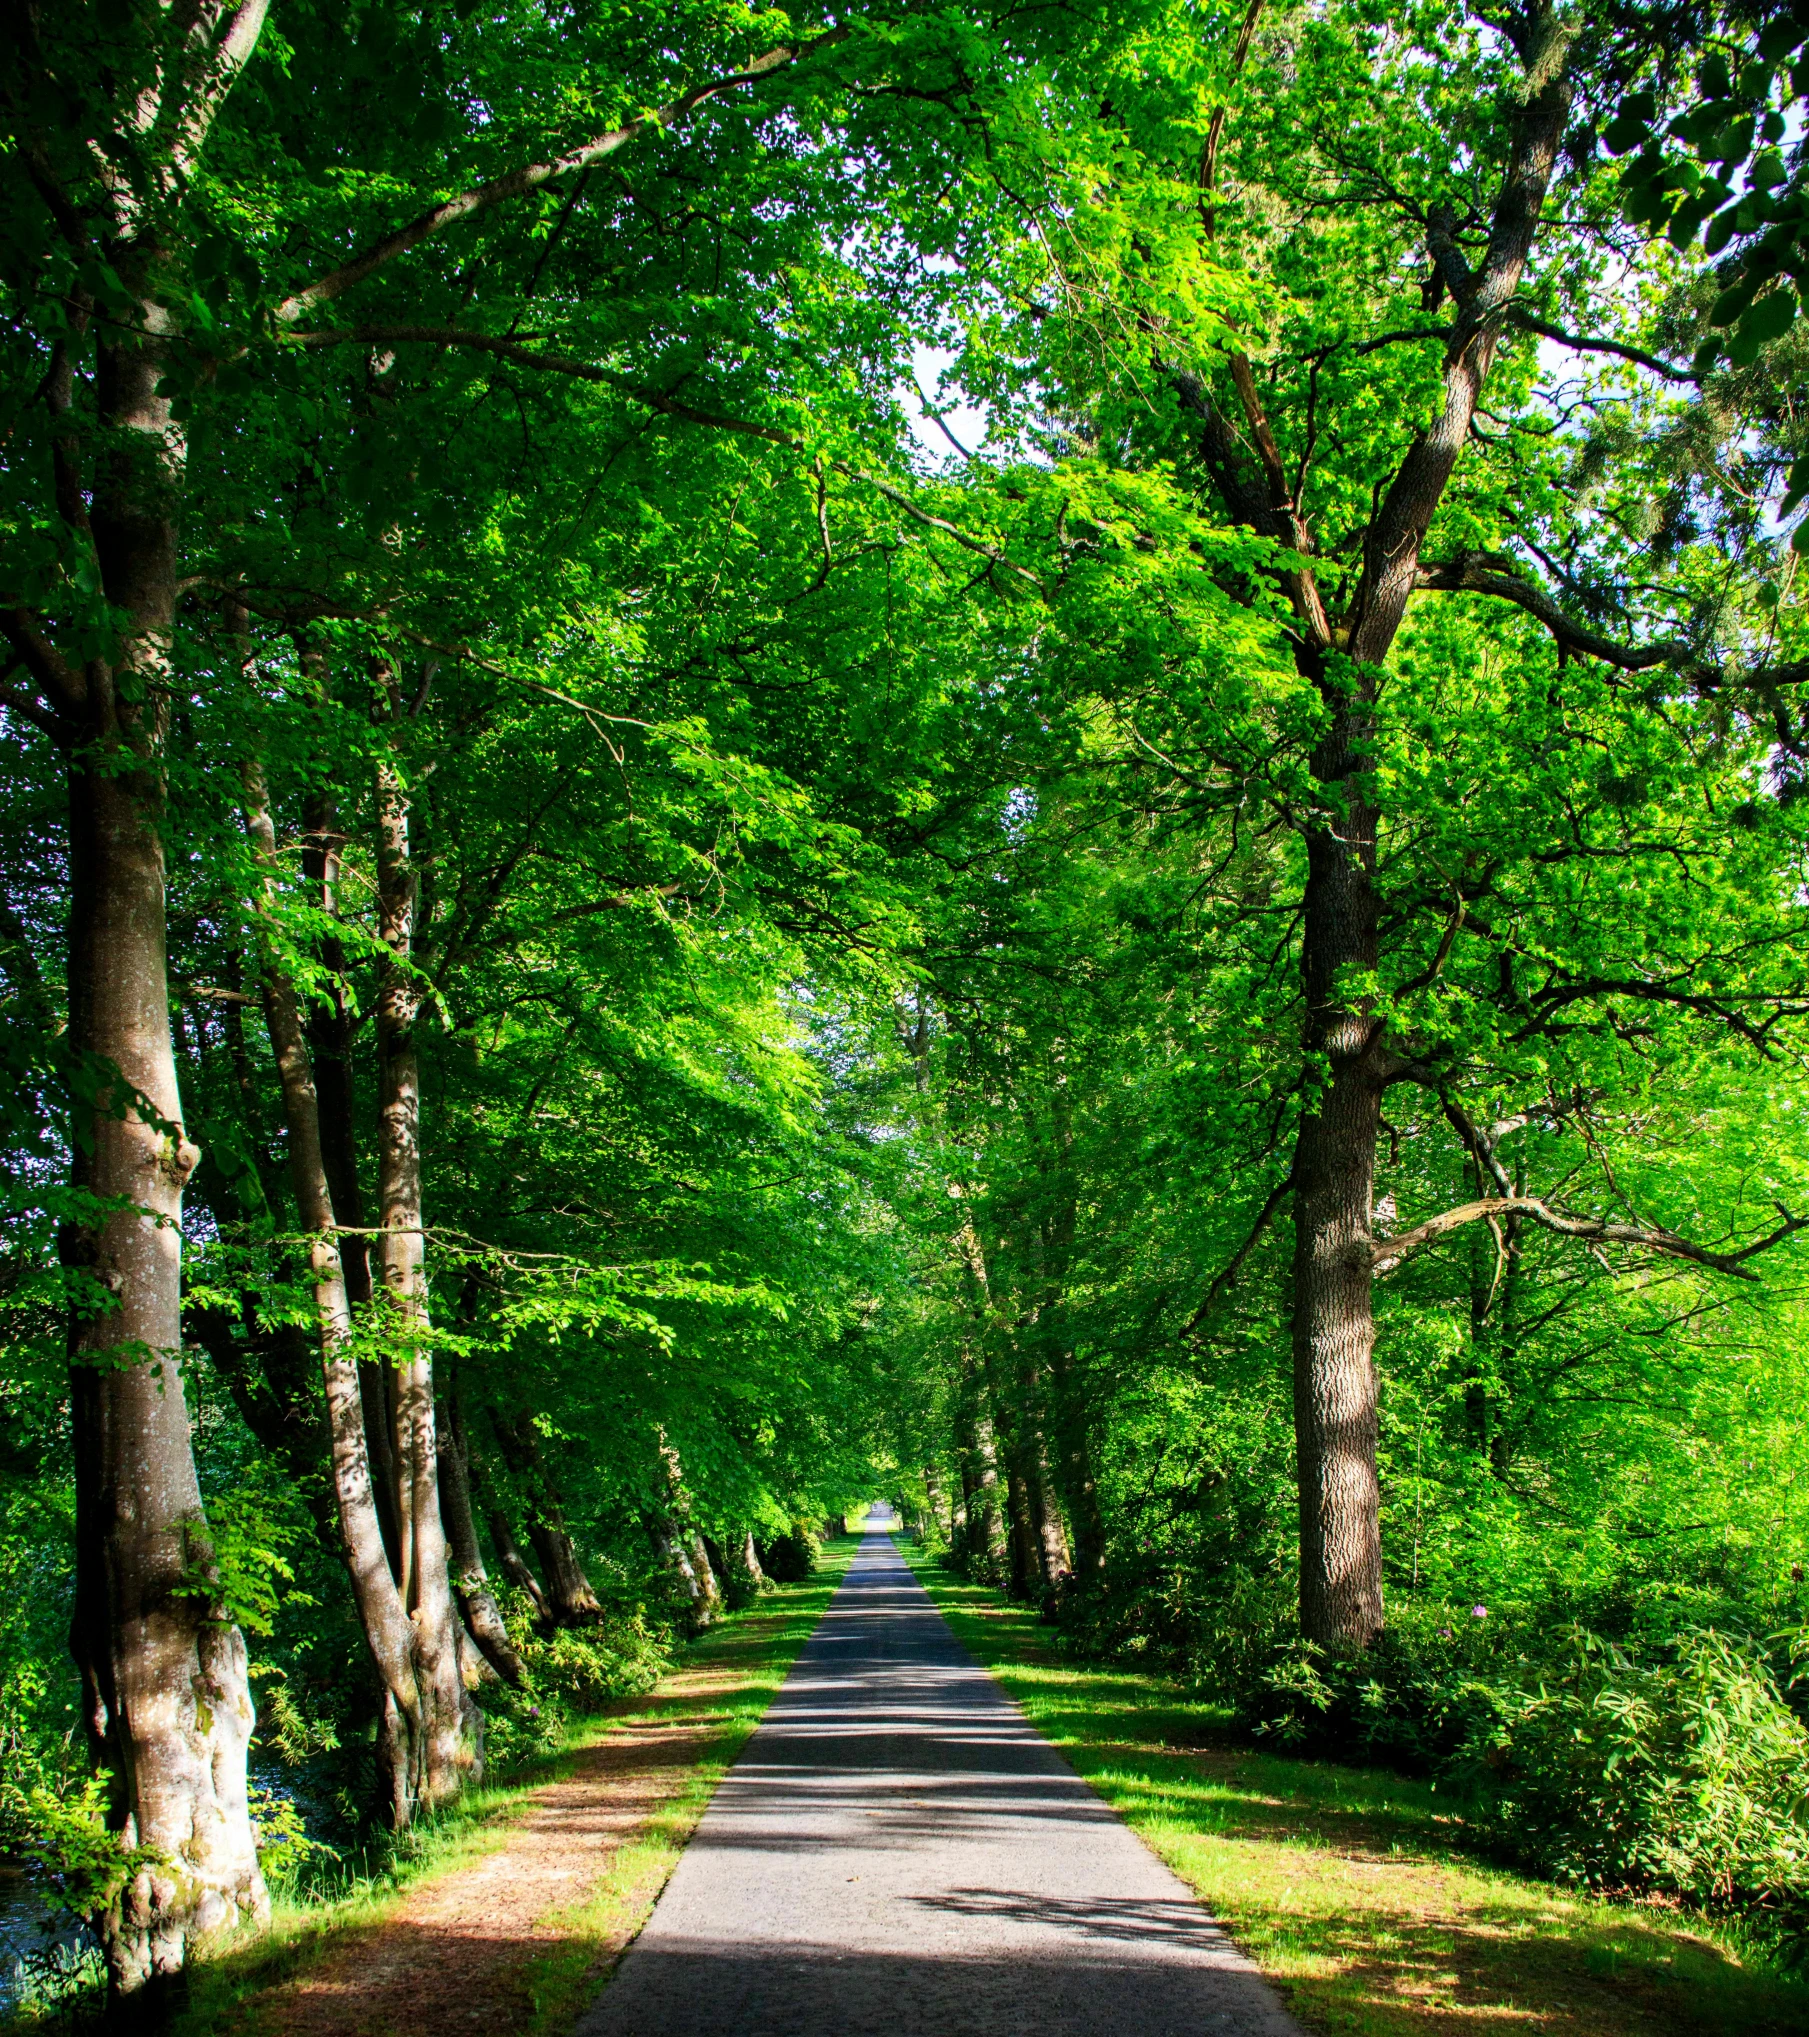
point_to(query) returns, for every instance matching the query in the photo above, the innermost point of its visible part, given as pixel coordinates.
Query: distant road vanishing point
(898, 1854)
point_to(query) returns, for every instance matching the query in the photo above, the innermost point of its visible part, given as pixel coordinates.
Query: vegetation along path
(899, 1851)
(517, 1912)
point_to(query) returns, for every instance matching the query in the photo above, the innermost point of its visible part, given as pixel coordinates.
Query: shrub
(1689, 1773)
(1415, 1700)
(789, 1559)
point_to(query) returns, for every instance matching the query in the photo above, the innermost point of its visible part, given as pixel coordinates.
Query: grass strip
(1357, 1891)
(573, 1949)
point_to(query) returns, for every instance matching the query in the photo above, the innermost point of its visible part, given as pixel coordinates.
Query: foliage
(1750, 82)
(858, 893)
(1689, 1773)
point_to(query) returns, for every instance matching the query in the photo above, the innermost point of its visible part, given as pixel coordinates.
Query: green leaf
(1684, 222)
(1768, 320)
(1730, 305)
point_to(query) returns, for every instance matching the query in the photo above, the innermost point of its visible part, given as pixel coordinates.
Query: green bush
(1688, 1773)
(789, 1559)
(1415, 1700)
(571, 1672)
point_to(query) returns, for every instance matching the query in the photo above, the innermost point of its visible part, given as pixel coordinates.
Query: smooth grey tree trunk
(166, 1697)
(445, 1748)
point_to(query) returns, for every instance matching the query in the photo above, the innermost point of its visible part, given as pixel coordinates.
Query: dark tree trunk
(330, 1038)
(568, 1590)
(1071, 1416)
(565, 1592)
(471, 1582)
(1335, 1153)
(1024, 1577)
(514, 1565)
(272, 1375)
(1335, 1420)
(393, 1638)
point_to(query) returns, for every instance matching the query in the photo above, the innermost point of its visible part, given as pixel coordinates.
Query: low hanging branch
(1488, 573)
(1385, 1254)
(1226, 1277)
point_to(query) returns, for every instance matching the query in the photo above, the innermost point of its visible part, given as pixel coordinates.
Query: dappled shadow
(713, 1988)
(1180, 1920)
(1489, 1967)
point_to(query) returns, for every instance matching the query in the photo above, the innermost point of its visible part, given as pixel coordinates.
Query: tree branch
(1576, 341)
(57, 679)
(531, 176)
(1485, 573)
(667, 406)
(1227, 1274)
(1384, 1256)
(1391, 546)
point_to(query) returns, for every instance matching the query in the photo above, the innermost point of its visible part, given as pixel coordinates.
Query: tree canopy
(1047, 759)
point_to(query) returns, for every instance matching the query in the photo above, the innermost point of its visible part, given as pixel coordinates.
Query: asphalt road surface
(898, 1854)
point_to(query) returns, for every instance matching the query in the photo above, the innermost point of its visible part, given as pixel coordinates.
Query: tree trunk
(1495, 1277)
(330, 1033)
(1071, 1415)
(1024, 1575)
(986, 1529)
(568, 1590)
(166, 1695)
(471, 1582)
(567, 1594)
(709, 1589)
(1048, 1541)
(448, 1747)
(1335, 1420)
(1333, 1178)
(388, 1631)
(514, 1565)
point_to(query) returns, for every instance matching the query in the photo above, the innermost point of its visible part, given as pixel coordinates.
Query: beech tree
(646, 951)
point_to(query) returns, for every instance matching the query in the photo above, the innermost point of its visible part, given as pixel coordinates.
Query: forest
(1047, 759)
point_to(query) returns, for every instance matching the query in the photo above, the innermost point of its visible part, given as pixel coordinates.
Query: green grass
(754, 1648)
(1360, 1893)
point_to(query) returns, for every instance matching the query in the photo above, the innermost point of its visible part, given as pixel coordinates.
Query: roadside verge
(525, 1900)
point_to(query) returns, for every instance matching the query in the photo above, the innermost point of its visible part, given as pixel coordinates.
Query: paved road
(897, 1854)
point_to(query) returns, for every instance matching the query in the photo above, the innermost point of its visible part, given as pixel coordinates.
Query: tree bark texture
(388, 1631)
(565, 1590)
(445, 1747)
(330, 1039)
(166, 1696)
(514, 1565)
(1071, 1415)
(471, 1581)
